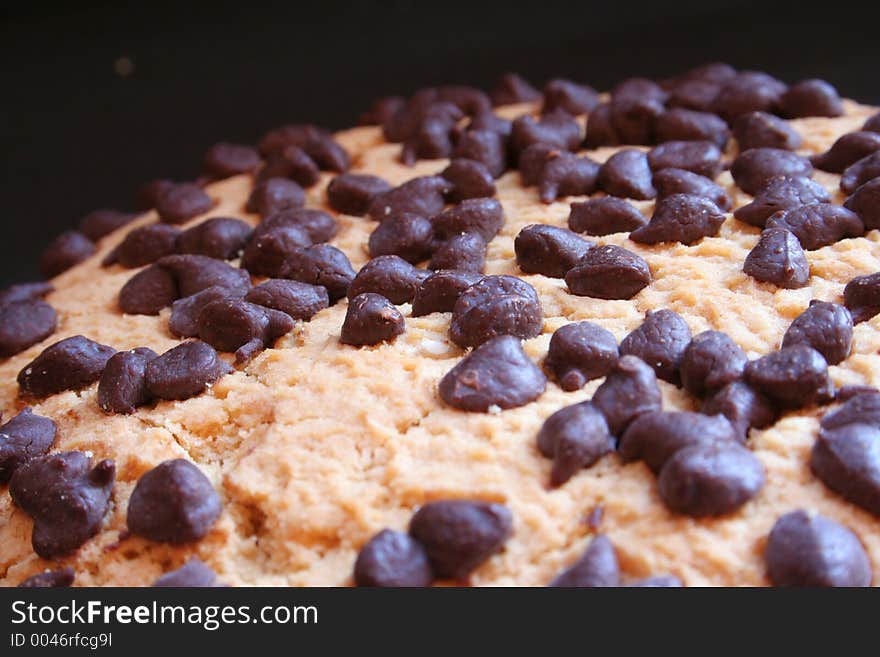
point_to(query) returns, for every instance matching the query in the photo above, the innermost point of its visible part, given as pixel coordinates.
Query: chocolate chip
(684, 218)
(65, 251)
(580, 352)
(469, 178)
(754, 168)
(299, 300)
(696, 95)
(763, 130)
(423, 108)
(145, 245)
(392, 559)
(639, 88)
(532, 161)
(320, 226)
(710, 362)
(439, 291)
(654, 437)
(382, 110)
(24, 437)
(679, 181)
(818, 224)
(488, 120)
(629, 390)
(811, 550)
(495, 374)
(422, 196)
(484, 146)
(826, 327)
(608, 272)
(221, 237)
(459, 535)
(148, 193)
(224, 160)
(847, 460)
(846, 151)
(322, 264)
(469, 100)
(861, 172)
(388, 275)
(781, 193)
(636, 104)
(658, 581)
(464, 252)
(793, 377)
(627, 174)
(66, 497)
(173, 503)
(565, 174)
(122, 386)
(863, 408)
(242, 327)
(483, 216)
(548, 250)
(865, 202)
(660, 341)
(352, 193)
(327, 153)
(193, 574)
(872, 124)
(597, 567)
(100, 223)
(700, 157)
(512, 88)
(811, 98)
(70, 364)
(296, 134)
(273, 194)
(24, 324)
(407, 235)
(496, 305)
(49, 579)
(749, 91)
(184, 320)
(267, 252)
(710, 479)
(575, 437)
(558, 130)
(600, 132)
(184, 371)
(862, 297)
(604, 216)
(148, 291)
(778, 258)
(431, 139)
(681, 124)
(194, 273)
(569, 96)
(182, 202)
(24, 292)
(370, 319)
(848, 391)
(742, 405)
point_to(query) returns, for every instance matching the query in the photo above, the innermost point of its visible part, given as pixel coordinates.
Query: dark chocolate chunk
(388, 275)
(846, 151)
(742, 405)
(488, 120)
(696, 95)
(826, 327)
(569, 96)
(299, 300)
(24, 324)
(574, 437)
(627, 174)
(811, 98)
(600, 131)
(604, 216)
(680, 124)
(296, 134)
(193, 574)
(182, 202)
(748, 91)
(273, 194)
(806, 549)
(322, 264)
(464, 252)
(608, 272)
(865, 202)
(66, 497)
(422, 196)
(862, 408)
(267, 252)
(700, 157)
(635, 106)
(382, 110)
(629, 390)
(224, 160)
(439, 292)
(431, 139)
(242, 327)
(493, 306)
(861, 172)
(710, 479)
(872, 124)
(50, 579)
(184, 371)
(710, 362)
(847, 460)
(778, 258)
(862, 297)
(65, 251)
(194, 273)
(459, 535)
(818, 224)
(656, 436)
(763, 130)
(24, 437)
(327, 153)
(781, 193)
(370, 319)
(558, 130)
(597, 567)
(684, 218)
(469, 178)
(392, 559)
(173, 503)
(184, 321)
(484, 146)
(483, 216)
(148, 193)
(793, 377)
(352, 193)
(145, 245)
(407, 235)
(660, 341)
(580, 352)
(320, 226)
(512, 88)
(495, 374)
(24, 292)
(531, 162)
(756, 167)
(148, 291)
(565, 174)
(221, 237)
(549, 250)
(123, 386)
(100, 223)
(849, 390)
(70, 364)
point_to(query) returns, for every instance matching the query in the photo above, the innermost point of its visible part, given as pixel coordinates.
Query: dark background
(77, 134)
